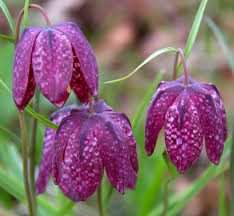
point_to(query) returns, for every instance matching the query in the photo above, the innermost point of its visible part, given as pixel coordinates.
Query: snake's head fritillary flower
(56, 60)
(189, 114)
(89, 140)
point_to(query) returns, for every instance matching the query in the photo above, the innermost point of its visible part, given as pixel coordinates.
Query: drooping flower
(189, 114)
(54, 59)
(89, 140)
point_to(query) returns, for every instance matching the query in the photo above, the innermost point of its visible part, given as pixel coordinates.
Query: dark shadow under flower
(56, 59)
(89, 140)
(188, 114)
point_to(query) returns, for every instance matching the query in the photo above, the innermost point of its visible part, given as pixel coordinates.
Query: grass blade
(8, 38)
(29, 110)
(222, 42)
(146, 61)
(9, 134)
(8, 16)
(136, 122)
(195, 28)
(26, 13)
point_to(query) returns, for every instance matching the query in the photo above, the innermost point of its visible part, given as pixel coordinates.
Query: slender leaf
(151, 57)
(222, 42)
(8, 16)
(8, 38)
(10, 134)
(15, 187)
(195, 28)
(41, 118)
(26, 12)
(29, 110)
(136, 122)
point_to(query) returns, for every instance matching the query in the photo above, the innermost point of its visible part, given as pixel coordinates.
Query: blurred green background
(123, 33)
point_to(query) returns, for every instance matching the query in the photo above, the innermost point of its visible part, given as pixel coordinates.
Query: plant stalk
(24, 146)
(32, 152)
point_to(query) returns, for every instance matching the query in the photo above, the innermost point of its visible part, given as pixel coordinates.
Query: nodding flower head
(89, 140)
(56, 59)
(188, 114)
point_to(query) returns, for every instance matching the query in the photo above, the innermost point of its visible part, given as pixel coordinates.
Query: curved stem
(20, 17)
(99, 201)
(146, 61)
(182, 57)
(24, 146)
(32, 152)
(174, 75)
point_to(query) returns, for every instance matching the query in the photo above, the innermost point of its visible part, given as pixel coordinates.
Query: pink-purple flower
(189, 114)
(55, 59)
(90, 139)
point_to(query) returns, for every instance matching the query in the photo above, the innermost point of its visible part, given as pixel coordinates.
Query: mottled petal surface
(116, 158)
(52, 65)
(219, 106)
(81, 166)
(163, 98)
(23, 80)
(79, 84)
(211, 122)
(45, 169)
(122, 121)
(86, 65)
(183, 133)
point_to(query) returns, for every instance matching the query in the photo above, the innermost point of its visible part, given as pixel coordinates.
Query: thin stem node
(21, 14)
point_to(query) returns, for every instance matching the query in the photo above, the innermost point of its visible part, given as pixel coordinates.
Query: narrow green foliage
(8, 16)
(137, 119)
(151, 57)
(9, 134)
(26, 12)
(222, 41)
(42, 119)
(194, 31)
(195, 28)
(8, 38)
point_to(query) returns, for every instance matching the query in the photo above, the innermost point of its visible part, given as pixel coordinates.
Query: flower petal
(86, 66)
(183, 134)
(162, 99)
(116, 158)
(45, 168)
(23, 80)
(211, 122)
(122, 121)
(219, 106)
(81, 168)
(52, 65)
(67, 126)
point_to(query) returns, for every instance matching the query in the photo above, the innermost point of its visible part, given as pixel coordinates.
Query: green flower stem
(32, 152)
(24, 146)
(99, 201)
